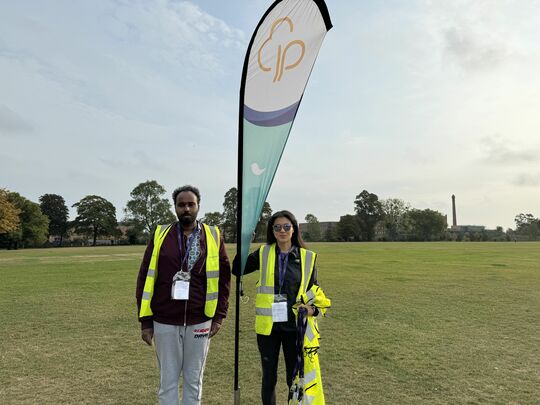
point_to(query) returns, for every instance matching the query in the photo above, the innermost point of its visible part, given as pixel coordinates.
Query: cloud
(11, 122)
(480, 35)
(136, 59)
(473, 52)
(138, 159)
(499, 151)
(179, 33)
(527, 179)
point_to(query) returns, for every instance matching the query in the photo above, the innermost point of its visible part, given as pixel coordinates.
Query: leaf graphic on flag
(256, 170)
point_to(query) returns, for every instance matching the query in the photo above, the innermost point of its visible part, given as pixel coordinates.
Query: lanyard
(283, 260)
(185, 255)
(301, 326)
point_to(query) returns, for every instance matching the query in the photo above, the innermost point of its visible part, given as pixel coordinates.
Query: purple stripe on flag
(271, 118)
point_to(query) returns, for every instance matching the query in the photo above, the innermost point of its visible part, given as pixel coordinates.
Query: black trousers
(269, 347)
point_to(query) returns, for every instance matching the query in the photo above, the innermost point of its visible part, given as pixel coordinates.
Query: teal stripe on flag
(263, 147)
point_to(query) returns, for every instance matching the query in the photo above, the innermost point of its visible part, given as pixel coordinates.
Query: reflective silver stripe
(264, 263)
(161, 232)
(213, 231)
(263, 311)
(163, 229)
(310, 297)
(265, 290)
(212, 274)
(307, 268)
(145, 295)
(151, 273)
(309, 332)
(308, 399)
(212, 296)
(310, 377)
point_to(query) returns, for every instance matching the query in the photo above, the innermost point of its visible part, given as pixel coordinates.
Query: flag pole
(238, 255)
(239, 232)
(239, 291)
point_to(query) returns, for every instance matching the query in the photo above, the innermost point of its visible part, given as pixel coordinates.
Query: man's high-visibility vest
(265, 285)
(212, 270)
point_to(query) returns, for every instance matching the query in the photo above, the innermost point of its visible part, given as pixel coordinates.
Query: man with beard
(182, 296)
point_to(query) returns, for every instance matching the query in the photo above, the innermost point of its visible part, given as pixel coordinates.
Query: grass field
(411, 323)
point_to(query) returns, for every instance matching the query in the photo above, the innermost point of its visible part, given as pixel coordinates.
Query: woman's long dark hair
(296, 236)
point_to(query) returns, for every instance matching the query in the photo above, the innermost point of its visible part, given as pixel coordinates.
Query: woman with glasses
(287, 284)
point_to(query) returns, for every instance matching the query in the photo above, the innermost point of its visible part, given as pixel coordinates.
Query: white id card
(279, 311)
(180, 290)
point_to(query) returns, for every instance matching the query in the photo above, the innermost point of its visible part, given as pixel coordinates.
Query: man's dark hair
(179, 190)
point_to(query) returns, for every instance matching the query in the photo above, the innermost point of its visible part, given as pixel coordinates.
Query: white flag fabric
(278, 63)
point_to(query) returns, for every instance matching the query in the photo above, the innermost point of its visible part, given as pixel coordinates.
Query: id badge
(279, 308)
(180, 290)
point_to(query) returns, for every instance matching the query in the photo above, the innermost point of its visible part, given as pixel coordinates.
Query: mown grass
(430, 323)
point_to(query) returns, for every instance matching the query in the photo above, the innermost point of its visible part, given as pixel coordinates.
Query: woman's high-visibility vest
(265, 285)
(312, 382)
(212, 270)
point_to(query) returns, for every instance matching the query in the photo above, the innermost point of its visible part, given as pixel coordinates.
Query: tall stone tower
(454, 219)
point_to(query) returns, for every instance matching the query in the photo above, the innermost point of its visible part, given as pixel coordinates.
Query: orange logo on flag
(282, 55)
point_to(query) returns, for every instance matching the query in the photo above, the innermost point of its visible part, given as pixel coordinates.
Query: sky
(411, 99)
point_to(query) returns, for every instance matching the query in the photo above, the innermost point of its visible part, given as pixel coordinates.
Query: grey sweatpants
(181, 351)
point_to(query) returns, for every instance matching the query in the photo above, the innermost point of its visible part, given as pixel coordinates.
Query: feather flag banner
(278, 63)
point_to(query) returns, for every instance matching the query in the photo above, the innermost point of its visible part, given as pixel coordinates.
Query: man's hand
(147, 335)
(214, 328)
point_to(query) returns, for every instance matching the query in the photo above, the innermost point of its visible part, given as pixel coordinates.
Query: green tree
(534, 229)
(147, 207)
(427, 224)
(523, 220)
(498, 235)
(510, 235)
(348, 229)
(54, 206)
(330, 234)
(394, 218)
(230, 210)
(260, 229)
(134, 232)
(369, 211)
(9, 214)
(34, 225)
(527, 225)
(95, 217)
(213, 218)
(313, 228)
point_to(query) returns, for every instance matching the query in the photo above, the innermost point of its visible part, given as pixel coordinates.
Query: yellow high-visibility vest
(212, 270)
(265, 285)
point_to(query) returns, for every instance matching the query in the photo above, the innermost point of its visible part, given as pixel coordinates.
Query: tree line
(24, 223)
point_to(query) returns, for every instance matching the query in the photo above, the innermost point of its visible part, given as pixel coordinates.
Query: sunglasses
(279, 227)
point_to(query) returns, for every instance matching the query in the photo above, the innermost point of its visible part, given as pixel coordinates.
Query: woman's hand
(310, 310)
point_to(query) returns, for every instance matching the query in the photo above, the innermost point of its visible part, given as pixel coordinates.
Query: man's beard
(187, 219)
